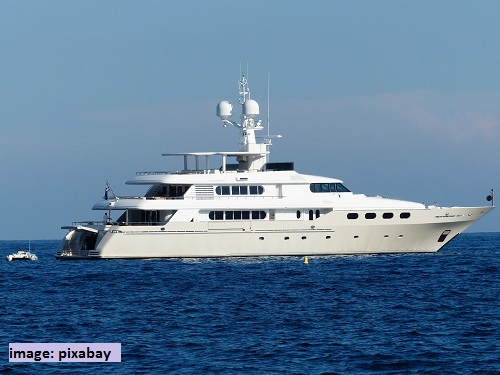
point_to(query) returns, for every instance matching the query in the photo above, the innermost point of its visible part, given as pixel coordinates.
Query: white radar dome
(224, 109)
(250, 108)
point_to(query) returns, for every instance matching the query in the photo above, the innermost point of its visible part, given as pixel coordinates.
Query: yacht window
(315, 188)
(370, 215)
(239, 190)
(352, 215)
(317, 214)
(341, 188)
(388, 215)
(325, 188)
(311, 215)
(404, 215)
(298, 214)
(237, 215)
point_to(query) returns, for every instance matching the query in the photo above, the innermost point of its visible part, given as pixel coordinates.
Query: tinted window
(370, 215)
(341, 188)
(388, 215)
(404, 215)
(352, 215)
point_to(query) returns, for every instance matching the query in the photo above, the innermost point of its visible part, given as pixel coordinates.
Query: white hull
(427, 230)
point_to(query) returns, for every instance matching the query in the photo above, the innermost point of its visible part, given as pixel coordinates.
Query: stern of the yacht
(81, 241)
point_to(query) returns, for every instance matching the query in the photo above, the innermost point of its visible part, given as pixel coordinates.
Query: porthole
(404, 215)
(352, 215)
(287, 238)
(356, 236)
(304, 237)
(261, 238)
(298, 214)
(328, 237)
(388, 215)
(370, 215)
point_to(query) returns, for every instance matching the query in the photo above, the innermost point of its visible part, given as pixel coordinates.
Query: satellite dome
(224, 109)
(250, 108)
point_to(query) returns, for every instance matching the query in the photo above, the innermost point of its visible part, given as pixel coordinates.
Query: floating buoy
(306, 261)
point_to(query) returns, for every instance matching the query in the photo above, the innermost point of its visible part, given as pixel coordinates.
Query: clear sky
(395, 98)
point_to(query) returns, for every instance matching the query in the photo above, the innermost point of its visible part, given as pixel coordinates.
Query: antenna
(268, 109)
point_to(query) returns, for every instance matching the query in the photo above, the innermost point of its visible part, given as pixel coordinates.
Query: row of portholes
(373, 215)
(286, 238)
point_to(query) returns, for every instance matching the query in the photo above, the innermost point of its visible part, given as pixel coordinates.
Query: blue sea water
(382, 314)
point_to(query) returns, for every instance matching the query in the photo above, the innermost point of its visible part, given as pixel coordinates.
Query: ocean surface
(381, 314)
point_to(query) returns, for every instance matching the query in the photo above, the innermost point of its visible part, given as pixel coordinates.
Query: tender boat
(22, 255)
(256, 208)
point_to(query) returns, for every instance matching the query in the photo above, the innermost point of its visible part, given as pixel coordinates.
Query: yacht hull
(426, 230)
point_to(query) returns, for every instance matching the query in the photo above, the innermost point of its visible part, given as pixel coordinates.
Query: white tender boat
(256, 208)
(22, 255)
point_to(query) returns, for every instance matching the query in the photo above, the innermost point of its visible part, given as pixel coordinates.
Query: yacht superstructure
(256, 208)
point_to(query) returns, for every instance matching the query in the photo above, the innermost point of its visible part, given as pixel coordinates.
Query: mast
(252, 155)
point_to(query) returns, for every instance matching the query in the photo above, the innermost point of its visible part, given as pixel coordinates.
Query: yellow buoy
(306, 261)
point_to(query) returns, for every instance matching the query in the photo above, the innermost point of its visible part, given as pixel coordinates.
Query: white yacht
(256, 208)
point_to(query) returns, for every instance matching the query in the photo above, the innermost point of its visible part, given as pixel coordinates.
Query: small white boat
(22, 255)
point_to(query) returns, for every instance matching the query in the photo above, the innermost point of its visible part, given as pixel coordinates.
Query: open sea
(382, 314)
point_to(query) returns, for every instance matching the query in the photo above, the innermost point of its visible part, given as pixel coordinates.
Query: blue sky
(396, 98)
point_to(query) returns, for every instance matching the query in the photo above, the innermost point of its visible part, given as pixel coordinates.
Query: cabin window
(311, 215)
(317, 214)
(239, 190)
(298, 214)
(352, 215)
(237, 215)
(404, 215)
(328, 188)
(388, 215)
(370, 215)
